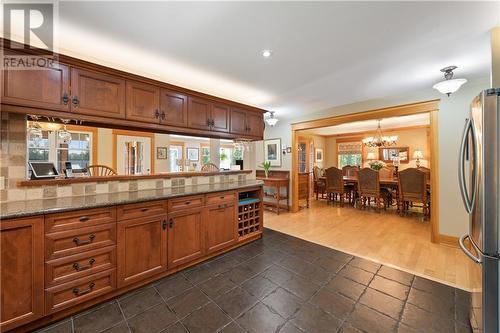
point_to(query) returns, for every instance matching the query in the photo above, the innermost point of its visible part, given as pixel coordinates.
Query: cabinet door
(255, 124)
(173, 107)
(220, 118)
(37, 88)
(21, 272)
(97, 94)
(220, 226)
(143, 102)
(199, 113)
(185, 237)
(142, 248)
(238, 121)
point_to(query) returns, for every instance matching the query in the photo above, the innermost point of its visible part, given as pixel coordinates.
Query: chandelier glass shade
(379, 139)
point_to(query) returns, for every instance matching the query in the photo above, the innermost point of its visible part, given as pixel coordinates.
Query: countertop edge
(54, 210)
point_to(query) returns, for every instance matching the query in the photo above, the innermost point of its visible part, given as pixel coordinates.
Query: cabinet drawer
(185, 203)
(218, 198)
(79, 291)
(138, 210)
(65, 243)
(79, 265)
(79, 219)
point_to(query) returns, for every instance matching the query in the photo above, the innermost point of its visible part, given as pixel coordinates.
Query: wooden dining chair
(413, 189)
(335, 185)
(350, 170)
(100, 170)
(319, 184)
(209, 167)
(387, 172)
(369, 188)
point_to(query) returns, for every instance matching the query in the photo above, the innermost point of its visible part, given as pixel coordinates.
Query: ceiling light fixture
(379, 140)
(267, 53)
(271, 120)
(449, 85)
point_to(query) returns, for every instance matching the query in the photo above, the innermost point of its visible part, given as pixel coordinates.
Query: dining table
(386, 182)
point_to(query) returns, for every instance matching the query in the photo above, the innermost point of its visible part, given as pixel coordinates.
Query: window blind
(349, 148)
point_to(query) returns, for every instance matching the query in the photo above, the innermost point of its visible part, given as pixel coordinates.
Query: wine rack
(249, 213)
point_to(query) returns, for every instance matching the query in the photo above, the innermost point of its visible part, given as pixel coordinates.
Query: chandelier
(379, 140)
(271, 120)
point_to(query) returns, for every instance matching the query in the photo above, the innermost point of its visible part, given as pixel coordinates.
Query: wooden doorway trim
(430, 107)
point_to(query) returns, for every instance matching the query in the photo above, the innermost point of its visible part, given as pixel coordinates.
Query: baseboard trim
(448, 240)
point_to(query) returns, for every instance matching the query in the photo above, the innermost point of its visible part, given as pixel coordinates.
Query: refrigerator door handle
(461, 170)
(466, 251)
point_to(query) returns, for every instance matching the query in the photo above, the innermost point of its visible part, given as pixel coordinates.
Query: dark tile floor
(281, 284)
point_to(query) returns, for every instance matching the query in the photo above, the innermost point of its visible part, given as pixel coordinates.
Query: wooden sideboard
(276, 180)
(56, 264)
(80, 90)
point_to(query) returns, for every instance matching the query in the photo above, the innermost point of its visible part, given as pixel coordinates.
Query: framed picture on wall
(161, 153)
(272, 151)
(318, 154)
(389, 154)
(193, 154)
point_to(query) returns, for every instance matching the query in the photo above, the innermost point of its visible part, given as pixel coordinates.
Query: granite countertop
(26, 208)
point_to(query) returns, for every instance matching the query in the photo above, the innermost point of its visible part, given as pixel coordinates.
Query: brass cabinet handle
(157, 114)
(77, 240)
(164, 224)
(163, 115)
(65, 99)
(79, 293)
(79, 268)
(75, 101)
(171, 223)
(83, 218)
(208, 122)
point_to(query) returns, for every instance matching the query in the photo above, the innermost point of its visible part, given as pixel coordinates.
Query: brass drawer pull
(144, 209)
(79, 268)
(222, 206)
(79, 293)
(187, 202)
(80, 242)
(83, 218)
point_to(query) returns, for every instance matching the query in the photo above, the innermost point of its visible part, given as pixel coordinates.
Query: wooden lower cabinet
(21, 271)
(142, 248)
(185, 236)
(220, 226)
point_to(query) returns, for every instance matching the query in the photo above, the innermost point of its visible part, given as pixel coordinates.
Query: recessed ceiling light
(266, 53)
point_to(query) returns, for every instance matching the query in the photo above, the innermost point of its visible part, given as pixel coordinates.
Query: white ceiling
(371, 125)
(324, 53)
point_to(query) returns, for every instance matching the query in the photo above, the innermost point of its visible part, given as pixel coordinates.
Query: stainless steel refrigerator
(479, 185)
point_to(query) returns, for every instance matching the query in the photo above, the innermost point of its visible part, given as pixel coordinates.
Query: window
(349, 153)
(225, 158)
(77, 151)
(205, 155)
(175, 155)
(49, 149)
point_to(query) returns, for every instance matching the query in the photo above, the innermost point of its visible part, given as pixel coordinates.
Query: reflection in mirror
(129, 152)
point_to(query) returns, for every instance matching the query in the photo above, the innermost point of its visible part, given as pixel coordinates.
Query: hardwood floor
(400, 242)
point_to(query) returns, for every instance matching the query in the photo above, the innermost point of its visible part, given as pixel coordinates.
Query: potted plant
(376, 165)
(266, 166)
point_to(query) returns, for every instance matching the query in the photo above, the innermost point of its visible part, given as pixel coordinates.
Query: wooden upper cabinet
(220, 226)
(173, 108)
(255, 124)
(219, 117)
(143, 102)
(21, 273)
(48, 89)
(142, 248)
(97, 94)
(185, 236)
(199, 113)
(238, 121)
